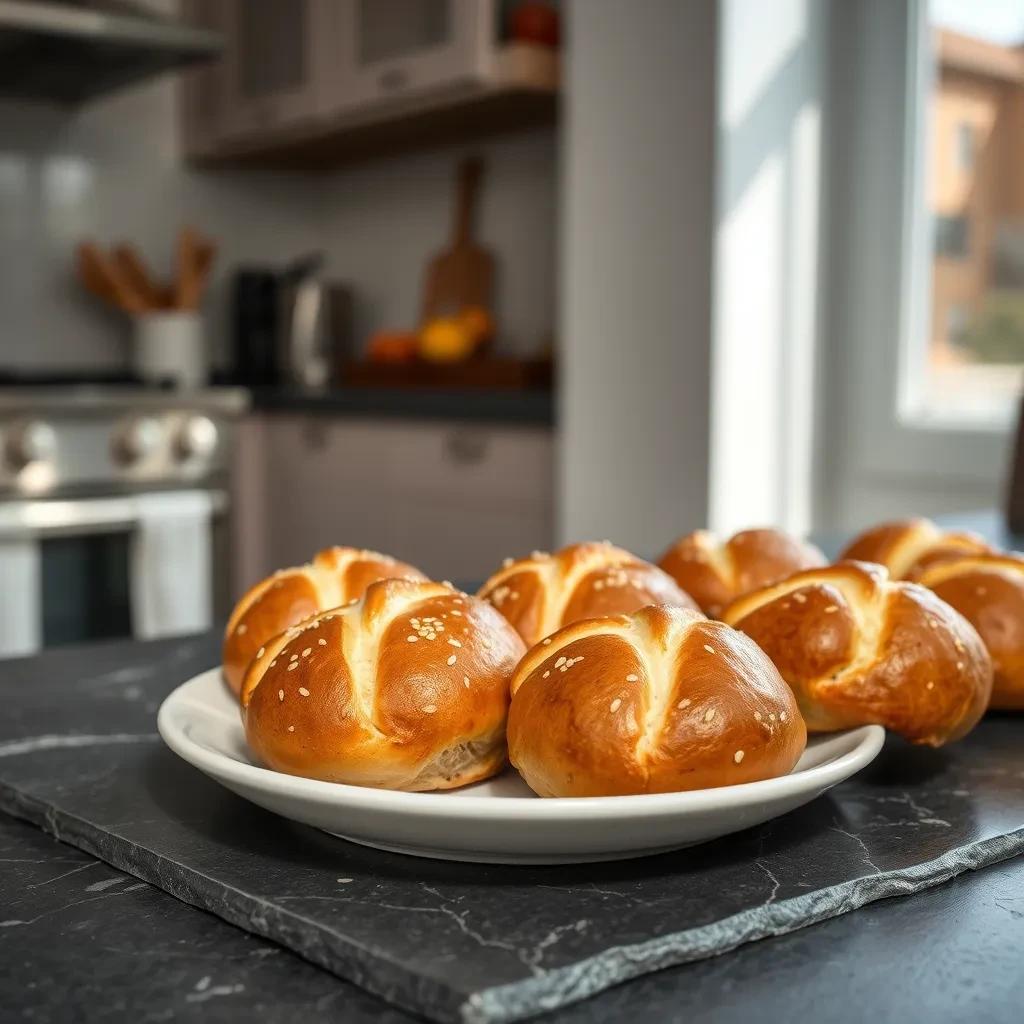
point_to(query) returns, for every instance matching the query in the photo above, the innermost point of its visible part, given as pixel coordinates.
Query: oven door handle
(37, 519)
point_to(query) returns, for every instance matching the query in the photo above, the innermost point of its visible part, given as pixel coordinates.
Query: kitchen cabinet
(452, 498)
(307, 83)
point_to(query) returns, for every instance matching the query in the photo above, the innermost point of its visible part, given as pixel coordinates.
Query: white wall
(635, 321)
(768, 147)
(112, 170)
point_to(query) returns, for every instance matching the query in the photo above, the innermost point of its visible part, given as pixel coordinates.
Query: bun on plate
(544, 592)
(857, 647)
(909, 546)
(334, 577)
(988, 591)
(715, 572)
(655, 702)
(407, 688)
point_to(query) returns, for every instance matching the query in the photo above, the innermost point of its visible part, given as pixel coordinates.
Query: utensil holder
(170, 347)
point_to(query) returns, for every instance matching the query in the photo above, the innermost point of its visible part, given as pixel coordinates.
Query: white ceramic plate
(500, 820)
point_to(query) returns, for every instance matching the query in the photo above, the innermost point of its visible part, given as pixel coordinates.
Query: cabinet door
(389, 48)
(274, 64)
(203, 107)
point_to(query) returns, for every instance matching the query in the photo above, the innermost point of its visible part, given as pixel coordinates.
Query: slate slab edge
(519, 1000)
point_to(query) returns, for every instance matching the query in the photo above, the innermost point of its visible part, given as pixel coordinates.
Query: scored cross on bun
(908, 547)
(655, 702)
(544, 592)
(334, 577)
(859, 648)
(715, 572)
(407, 688)
(988, 590)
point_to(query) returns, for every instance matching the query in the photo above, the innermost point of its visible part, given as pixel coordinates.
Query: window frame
(879, 278)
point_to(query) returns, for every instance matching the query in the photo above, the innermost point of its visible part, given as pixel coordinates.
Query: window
(971, 365)
(951, 237)
(965, 146)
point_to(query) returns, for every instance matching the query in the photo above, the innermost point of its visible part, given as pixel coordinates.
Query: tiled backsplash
(112, 171)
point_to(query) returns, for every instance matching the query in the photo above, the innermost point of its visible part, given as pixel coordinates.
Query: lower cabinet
(452, 498)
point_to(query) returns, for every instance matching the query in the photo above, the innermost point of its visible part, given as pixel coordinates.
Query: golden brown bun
(909, 546)
(334, 577)
(407, 688)
(714, 573)
(988, 590)
(858, 647)
(544, 592)
(655, 702)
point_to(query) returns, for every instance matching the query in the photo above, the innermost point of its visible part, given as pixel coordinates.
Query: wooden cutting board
(463, 274)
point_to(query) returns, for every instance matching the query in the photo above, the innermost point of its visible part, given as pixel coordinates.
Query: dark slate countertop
(530, 407)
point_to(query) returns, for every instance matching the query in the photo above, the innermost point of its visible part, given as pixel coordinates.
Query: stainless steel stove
(113, 502)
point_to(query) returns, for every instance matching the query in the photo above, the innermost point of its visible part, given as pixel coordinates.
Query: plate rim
(866, 742)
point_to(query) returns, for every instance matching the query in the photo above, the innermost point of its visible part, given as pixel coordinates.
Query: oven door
(105, 568)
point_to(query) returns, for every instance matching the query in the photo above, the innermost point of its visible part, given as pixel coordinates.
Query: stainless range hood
(70, 52)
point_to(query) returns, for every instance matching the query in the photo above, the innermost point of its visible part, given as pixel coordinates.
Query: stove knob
(135, 440)
(196, 439)
(32, 441)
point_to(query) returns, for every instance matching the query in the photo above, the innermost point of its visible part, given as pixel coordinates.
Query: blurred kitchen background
(458, 279)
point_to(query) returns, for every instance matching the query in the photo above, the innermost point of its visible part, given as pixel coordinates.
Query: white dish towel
(171, 565)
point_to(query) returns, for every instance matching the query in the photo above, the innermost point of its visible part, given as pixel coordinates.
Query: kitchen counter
(528, 407)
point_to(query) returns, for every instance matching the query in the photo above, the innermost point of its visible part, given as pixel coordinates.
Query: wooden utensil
(135, 272)
(103, 278)
(463, 274)
(193, 262)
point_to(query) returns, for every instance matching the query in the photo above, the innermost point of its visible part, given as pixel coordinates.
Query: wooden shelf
(522, 93)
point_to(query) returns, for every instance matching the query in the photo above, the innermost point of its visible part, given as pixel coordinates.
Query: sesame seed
(448, 584)
(451, 660)
(709, 714)
(412, 638)
(243, 628)
(771, 717)
(933, 623)
(506, 562)
(280, 695)
(959, 666)
(291, 728)
(430, 709)
(487, 644)
(930, 686)
(322, 642)
(738, 756)
(307, 652)
(546, 674)
(632, 677)
(303, 691)
(831, 608)
(684, 703)
(294, 657)
(273, 663)
(261, 652)
(456, 613)
(958, 644)
(800, 598)
(292, 665)
(560, 662)
(709, 649)
(782, 716)
(465, 681)
(757, 716)
(546, 641)
(615, 705)
(454, 642)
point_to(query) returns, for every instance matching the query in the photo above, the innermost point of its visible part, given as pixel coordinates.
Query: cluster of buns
(597, 673)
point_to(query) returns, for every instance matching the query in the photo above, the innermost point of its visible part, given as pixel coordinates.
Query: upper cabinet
(307, 83)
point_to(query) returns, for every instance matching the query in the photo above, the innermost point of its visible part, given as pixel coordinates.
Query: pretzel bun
(909, 546)
(334, 577)
(988, 590)
(857, 647)
(407, 688)
(544, 592)
(654, 702)
(714, 572)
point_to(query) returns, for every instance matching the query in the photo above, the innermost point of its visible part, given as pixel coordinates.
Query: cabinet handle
(466, 449)
(393, 79)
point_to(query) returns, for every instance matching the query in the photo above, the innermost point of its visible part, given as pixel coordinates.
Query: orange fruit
(445, 339)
